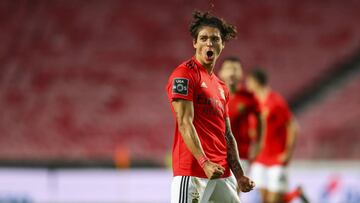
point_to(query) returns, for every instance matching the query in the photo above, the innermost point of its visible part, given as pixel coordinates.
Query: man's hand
(284, 158)
(213, 170)
(245, 184)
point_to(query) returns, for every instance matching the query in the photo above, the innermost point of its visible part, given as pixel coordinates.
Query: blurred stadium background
(84, 114)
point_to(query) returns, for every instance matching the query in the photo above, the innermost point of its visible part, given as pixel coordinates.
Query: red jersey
(191, 81)
(242, 105)
(278, 117)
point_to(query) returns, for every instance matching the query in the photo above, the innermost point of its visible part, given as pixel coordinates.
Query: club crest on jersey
(180, 86)
(222, 93)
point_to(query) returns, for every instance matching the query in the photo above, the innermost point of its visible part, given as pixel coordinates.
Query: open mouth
(209, 54)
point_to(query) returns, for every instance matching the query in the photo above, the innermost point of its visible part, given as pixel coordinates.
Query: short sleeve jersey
(190, 81)
(242, 105)
(278, 117)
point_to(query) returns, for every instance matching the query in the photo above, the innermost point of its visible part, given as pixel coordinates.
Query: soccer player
(269, 168)
(204, 149)
(243, 106)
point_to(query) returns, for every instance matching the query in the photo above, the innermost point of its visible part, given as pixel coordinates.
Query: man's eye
(216, 39)
(203, 38)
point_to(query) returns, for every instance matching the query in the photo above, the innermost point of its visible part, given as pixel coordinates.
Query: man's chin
(209, 60)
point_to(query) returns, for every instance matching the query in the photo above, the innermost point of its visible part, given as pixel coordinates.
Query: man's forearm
(184, 116)
(232, 152)
(292, 134)
(191, 140)
(258, 143)
(259, 127)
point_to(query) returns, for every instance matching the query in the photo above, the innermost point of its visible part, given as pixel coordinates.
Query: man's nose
(209, 42)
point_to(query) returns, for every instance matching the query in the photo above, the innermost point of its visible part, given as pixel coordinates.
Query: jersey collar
(202, 67)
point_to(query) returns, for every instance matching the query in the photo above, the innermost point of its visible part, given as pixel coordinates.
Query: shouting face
(208, 45)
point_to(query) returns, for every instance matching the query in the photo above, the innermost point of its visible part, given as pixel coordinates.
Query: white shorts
(190, 189)
(272, 178)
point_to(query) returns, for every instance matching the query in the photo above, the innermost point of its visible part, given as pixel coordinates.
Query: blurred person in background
(243, 107)
(204, 149)
(269, 169)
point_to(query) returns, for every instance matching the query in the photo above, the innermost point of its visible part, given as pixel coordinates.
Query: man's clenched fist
(245, 184)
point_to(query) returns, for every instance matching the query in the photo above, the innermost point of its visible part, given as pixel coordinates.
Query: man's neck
(263, 93)
(209, 67)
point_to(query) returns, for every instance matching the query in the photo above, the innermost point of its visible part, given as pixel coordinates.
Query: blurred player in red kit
(243, 106)
(204, 149)
(269, 169)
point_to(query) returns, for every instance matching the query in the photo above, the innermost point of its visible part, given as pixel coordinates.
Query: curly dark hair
(201, 19)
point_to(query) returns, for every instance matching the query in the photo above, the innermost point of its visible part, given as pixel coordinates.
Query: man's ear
(223, 44)
(194, 43)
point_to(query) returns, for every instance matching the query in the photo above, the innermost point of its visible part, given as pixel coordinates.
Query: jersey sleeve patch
(180, 86)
